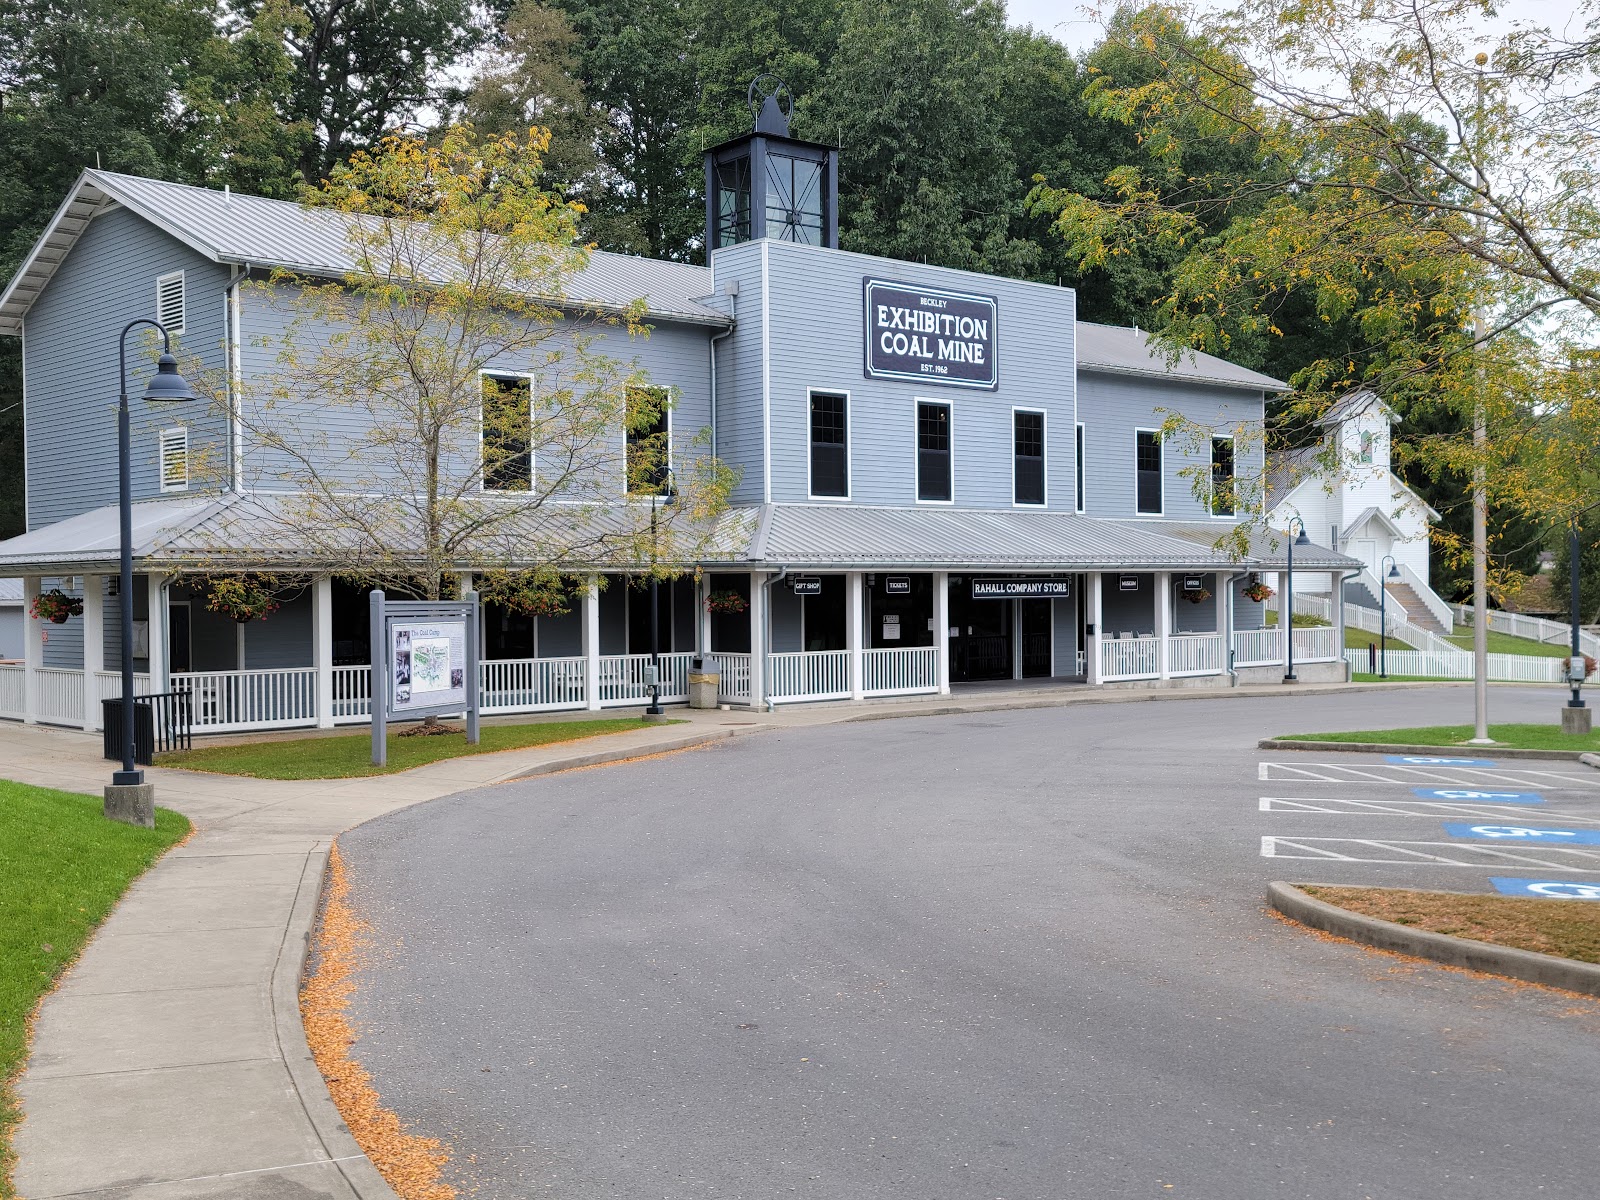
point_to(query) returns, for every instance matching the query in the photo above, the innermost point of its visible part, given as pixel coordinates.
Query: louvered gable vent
(169, 301)
(174, 459)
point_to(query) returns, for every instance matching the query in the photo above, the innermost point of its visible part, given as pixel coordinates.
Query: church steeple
(766, 184)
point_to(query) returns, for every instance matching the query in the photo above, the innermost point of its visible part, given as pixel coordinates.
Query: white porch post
(32, 648)
(702, 621)
(156, 622)
(853, 596)
(1164, 620)
(941, 627)
(1093, 619)
(758, 639)
(94, 646)
(322, 646)
(591, 644)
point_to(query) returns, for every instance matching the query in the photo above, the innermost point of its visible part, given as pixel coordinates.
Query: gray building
(944, 478)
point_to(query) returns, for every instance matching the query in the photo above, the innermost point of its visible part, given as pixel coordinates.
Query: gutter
(1227, 622)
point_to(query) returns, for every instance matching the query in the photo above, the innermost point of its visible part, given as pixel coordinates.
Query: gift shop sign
(931, 336)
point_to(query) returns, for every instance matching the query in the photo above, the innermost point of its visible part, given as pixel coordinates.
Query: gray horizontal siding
(740, 430)
(70, 364)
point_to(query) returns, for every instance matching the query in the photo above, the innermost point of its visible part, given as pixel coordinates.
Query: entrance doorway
(981, 632)
(1033, 617)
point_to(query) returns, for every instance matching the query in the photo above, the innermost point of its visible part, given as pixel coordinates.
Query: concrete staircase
(1416, 611)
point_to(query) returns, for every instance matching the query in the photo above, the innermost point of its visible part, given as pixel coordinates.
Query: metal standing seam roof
(245, 230)
(1264, 549)
(1117, 350)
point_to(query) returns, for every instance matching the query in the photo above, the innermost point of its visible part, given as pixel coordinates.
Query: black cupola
(766, 184)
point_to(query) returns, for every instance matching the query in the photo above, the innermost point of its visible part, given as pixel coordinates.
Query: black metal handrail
(162, 722)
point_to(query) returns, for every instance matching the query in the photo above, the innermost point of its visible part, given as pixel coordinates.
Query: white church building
(1360, 508)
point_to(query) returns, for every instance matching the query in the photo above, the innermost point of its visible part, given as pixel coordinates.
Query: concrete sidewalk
(171, 1063)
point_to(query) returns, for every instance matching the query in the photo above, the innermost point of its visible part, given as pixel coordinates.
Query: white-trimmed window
(1222, 493)
(169, 301)
(174, 459)
(506, 432)
(1147, 471)
(649, 440)
(934, 467)
(829, 463)
(1027, 456)
(1078, 447)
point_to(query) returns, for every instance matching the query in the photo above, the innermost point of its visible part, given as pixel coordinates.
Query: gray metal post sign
(930, 335)
(424, 664)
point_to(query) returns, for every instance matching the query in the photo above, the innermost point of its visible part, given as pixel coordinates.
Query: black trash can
(144, 730)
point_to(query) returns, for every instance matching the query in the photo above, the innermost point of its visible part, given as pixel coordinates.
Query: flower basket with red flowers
(55, 606)
(726, 602)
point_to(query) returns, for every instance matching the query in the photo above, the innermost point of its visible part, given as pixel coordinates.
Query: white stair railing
(1430, 599)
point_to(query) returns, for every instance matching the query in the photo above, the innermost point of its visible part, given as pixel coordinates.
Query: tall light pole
(128, 798)
(1383, 612)
(667, 495)
(1480, 499)
(1295, 539)
(1574, 722)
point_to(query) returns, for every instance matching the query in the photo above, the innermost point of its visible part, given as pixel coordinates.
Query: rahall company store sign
(930, 335)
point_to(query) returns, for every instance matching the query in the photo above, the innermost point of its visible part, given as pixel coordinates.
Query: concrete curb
(601, 757)
(1548, 969)
(309, 1086)
(1442, 751)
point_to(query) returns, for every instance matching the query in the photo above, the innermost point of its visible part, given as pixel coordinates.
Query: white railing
(901, 671)
(58, 696)
(225, 701)
(352, 694)
(108, 685)
(1315, 644)
(1196, 654)
(1414, 636)
(1130, 658)
(12, 679)
(1457, 664)
(534, 684)
(622, 678)
(809, 675)
(1257, 647)
(1536, 629)
(733, 671)
(1430, 599)
(1083, 664)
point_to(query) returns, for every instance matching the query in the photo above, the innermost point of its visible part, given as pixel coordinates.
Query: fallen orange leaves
(410, 1163)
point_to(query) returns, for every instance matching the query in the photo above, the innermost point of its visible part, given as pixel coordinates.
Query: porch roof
(1258, 547)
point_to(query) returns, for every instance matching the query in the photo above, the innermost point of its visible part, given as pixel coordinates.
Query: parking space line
(1283, 772)
(1409, 808)
(1443, 854)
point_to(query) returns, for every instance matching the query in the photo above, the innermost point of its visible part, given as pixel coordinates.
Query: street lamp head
(1394, 570)
(167, 385)
(1300, 538)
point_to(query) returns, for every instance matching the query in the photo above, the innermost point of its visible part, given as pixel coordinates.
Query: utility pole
(1480, 501)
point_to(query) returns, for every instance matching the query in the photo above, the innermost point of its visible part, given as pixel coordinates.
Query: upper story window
(169, 302)
(933, 451)
(507, 433)
(1147, 470)
(795, 199)
(1367, 441)
(1027, 477)
(1079, 464)
(733, 200)
(1222, 497)
(174, 459)
(649, 440)
(830, 451)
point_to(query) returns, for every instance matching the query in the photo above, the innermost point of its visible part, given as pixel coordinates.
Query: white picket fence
(1537, 629)
(1257, 647)
(902, 671)
(1196, 654)
(58, 696)
(1313, 605)
(12, 694)
(1317, 643)
(733, 671)
(809, 675)
(1130, 658)
(1457, 664)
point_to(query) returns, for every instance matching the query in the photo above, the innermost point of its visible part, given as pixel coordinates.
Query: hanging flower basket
(1259, 592)
(1197, 595)
(242, 598)
(726, 602)
(527, 593)
(55, 606)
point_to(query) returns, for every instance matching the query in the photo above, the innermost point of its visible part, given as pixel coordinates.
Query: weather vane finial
(771, 102)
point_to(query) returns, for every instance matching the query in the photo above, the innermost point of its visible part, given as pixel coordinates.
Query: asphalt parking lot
(1008, 956)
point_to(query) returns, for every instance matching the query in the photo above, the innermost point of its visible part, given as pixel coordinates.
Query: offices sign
(930, 335)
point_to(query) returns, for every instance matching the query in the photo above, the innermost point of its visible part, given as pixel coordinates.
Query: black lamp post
(1383, 610)
(1299, 539)
(1574, 551)
(664, 490)
(166, 386)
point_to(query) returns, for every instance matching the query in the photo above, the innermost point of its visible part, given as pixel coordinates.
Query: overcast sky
(1073, 22)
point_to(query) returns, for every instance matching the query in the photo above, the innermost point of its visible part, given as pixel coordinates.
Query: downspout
(733, 315)
(1228, 623)
(235, 383)
(766, 638)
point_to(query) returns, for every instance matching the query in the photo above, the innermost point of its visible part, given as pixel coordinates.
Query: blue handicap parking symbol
(1524, 833)
(1472, 795)
(1549, 889)
(1425, 760)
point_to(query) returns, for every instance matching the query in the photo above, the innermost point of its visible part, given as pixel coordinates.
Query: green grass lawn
(351, 755)
(1504, 643)
(1299, 621)
(62, 868)
(1517, 737)
(1360, 639)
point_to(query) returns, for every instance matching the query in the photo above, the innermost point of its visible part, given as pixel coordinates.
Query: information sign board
(424, 663)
